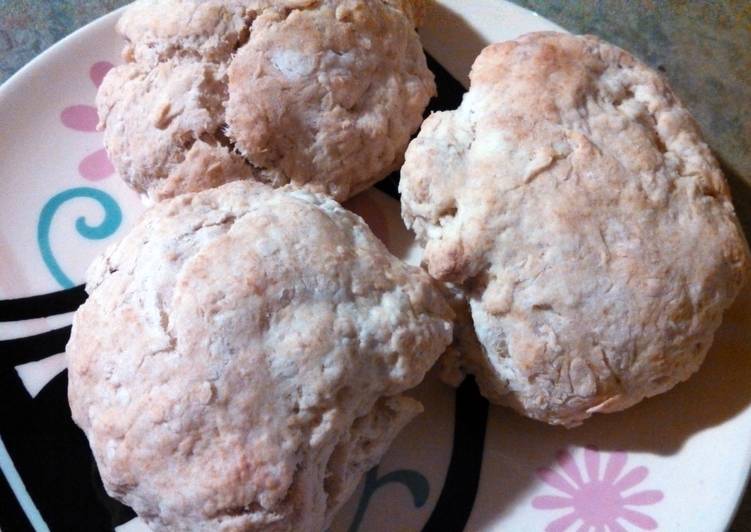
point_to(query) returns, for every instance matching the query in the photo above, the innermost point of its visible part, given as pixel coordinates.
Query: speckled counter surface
(704, 48)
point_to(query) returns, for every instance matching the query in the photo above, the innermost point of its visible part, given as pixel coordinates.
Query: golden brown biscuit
(572, 197)
(324, 94)
(241, 359)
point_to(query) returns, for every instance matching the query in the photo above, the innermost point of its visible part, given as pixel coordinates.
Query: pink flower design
(599, 501)
(84, 118)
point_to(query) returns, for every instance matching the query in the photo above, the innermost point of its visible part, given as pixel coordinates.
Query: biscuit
(241, 358)
(573, 199)
(318, 94)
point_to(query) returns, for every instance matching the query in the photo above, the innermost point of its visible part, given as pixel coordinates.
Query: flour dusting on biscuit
(573, 199)
(242, 356)
(322, 94)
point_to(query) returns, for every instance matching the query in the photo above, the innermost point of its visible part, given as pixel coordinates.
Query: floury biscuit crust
(323, 94)
(242, 357)
(573, 199)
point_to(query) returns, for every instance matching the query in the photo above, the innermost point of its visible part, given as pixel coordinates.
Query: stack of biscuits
(244, 353)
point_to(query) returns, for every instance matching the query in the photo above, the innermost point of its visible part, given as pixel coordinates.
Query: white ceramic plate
(675, 462)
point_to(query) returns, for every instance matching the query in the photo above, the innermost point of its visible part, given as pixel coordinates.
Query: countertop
(703, 47)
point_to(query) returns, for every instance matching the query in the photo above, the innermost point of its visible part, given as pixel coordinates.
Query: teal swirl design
(415, 482)
(113, 217)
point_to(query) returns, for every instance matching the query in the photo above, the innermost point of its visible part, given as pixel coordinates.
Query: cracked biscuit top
(240, 360)
(572, 197)
(321, 93)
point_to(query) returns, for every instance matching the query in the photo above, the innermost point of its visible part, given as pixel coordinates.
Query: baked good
(572, 198)
(323, 94)
(242, 357)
